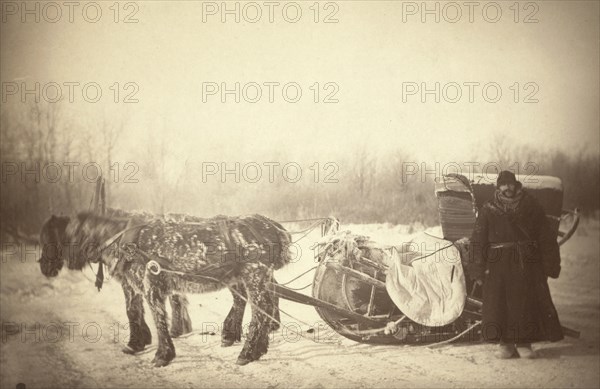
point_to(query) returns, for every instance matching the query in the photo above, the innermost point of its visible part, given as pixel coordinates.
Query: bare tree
(157, 150)
(364, 171)
(501, 150)
(110, 132)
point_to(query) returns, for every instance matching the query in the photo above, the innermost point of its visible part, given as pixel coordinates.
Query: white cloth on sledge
(428, 286)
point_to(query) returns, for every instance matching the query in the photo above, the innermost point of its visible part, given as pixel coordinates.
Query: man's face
(508, 190)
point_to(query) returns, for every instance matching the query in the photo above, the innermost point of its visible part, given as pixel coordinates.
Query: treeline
(363, 186)
(44, 154)
(377, 188)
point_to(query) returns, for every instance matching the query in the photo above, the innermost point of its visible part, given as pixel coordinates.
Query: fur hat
(507, 177)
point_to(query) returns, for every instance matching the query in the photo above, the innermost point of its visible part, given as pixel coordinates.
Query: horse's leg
(255, 277)
(274, 326)
(139, 333)
(155, 297)
(180, 319)
(232, 326)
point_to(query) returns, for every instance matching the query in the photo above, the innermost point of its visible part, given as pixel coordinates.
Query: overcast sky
(369, 56)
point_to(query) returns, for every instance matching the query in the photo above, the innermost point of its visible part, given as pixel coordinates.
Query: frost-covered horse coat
(196, 257)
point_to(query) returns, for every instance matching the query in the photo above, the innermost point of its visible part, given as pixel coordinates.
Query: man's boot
(505, 351)
(525, 351)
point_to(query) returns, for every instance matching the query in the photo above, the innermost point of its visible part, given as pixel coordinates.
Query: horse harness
(156, 264)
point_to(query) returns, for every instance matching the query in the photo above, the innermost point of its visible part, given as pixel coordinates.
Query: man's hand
(477, 273)
(478, 278)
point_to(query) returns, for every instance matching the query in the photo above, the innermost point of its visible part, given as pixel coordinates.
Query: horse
(161, 258)
(180, 320)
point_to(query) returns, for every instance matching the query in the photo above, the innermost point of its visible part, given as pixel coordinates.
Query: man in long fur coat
(512, 253)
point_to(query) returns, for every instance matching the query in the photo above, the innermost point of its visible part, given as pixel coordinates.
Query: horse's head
(52, 239)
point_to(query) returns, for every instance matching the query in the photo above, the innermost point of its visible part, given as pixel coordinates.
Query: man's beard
(509, 193)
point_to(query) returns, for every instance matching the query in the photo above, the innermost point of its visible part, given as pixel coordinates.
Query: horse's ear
(52, 221)
(55, 218)
(59, 221)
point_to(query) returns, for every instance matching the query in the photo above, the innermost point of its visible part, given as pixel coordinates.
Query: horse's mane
(145, 215)
(121, 213)
(98, 218)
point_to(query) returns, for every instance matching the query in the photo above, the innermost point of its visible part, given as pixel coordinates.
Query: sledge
(353, 278)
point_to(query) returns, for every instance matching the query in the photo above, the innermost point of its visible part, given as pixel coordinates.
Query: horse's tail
(281, 253)
(285, 239)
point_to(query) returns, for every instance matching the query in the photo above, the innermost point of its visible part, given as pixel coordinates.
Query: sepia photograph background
(293, 110)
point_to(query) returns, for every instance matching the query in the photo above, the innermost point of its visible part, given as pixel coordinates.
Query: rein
(100, 275)
(156, 265)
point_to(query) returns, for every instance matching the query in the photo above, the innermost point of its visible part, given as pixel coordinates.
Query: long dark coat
(517, 306)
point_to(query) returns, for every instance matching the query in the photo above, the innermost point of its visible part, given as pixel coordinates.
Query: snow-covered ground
(79, 333)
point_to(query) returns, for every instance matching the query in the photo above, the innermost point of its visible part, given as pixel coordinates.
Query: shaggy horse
(160, 258)
(180, 320)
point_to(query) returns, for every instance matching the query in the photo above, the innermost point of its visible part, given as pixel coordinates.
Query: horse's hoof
(130, 351)
(242, 361)
(161, 362)
(274, 327)
(227, 343)
(176, 333)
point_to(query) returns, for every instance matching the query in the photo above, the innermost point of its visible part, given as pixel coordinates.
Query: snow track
(67, 349)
